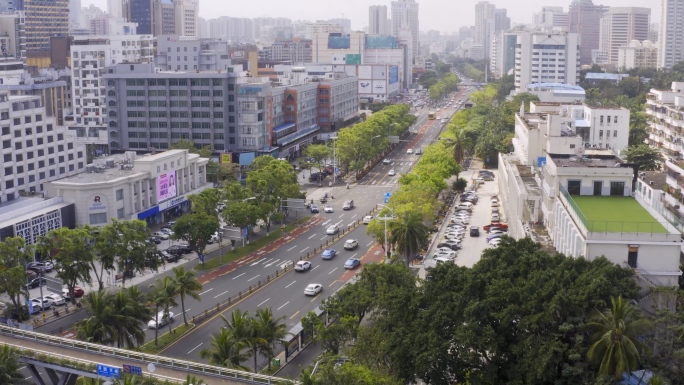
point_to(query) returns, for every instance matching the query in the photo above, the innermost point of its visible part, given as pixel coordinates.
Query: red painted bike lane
(253, 256)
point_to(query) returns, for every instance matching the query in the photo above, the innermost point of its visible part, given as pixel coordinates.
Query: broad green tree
(319, 153)
(196, 229)
(134, 253)
(186, 284)
(10, 372)
(616, 332)
(206, 202)
(334, 373)
(14, 254)
(648, 158)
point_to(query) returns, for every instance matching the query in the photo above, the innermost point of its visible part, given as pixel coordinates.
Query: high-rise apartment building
(501, 21)
(187, 12)
(13, 35)
(139, 11)
(176, 53)
(11, 6)
(542, 57)
(95, 20)
(75, 20)
(237, 30)
(484, 28)
(551, 17)
(405, 16)
(637, 55)
(619, 26)
(89, 57)
(115, 8)
(584, 19)
(45, 19)
(671, 38)
(163, 17)
(377, 20)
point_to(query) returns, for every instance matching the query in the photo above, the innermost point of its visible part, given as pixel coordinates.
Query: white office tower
(187, 12)
(542, 57)
(405, 16)
(377, 20)
(671, 38)
(74, 14)
(551, 18)
(621, 25)
(484, 28)
(115, 8)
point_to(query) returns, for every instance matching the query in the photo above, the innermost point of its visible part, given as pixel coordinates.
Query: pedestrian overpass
(63, 360)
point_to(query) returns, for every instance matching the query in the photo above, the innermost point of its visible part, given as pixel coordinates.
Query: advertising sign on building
(365, 87)
(393, 74)
(226, 157)
(379, 87)
(166, 186)
(353, 58)
(365, 72)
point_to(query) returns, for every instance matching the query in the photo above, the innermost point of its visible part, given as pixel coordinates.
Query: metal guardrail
(167, 362)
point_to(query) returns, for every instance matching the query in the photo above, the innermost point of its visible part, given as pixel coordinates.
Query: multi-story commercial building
(115, 8)
(378, 24)
(153, 187)
(11, 6)
(405, 17)
(637, 55)
(291, 51)
(666, 120)
(51, 86)
(13, 35)
(191, 53)
(546, 58)
(337, 48)
(35, 149)
(163, 17)
(551, 18)
(140, 12)
(584, 19)
(187, 12)
(95, 20)
(619, 26)
(484, 24)
(45, 19)
(502, 58)
(671, 37)
(234, 29)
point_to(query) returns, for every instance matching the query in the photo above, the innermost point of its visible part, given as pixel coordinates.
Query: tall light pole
(334, 139)
(385, 219)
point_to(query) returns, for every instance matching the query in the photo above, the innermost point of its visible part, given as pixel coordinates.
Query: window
(7, 157)
(120, 213)
(632, 255)
(600, 133)
(615, 119)
(574, 187)
(9, 171)
(614, 133)
(99, 218)
(119, 195)
(617, 188)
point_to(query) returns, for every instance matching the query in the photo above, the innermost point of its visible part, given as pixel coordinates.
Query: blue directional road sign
(387, 197)
(201, 257)
(108, 371)
(132, 369)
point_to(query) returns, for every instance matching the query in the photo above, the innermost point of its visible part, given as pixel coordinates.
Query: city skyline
(431, 15)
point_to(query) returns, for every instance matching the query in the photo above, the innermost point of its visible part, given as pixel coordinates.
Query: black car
(185, 247)
(175, 250)
(154, 239)
(474, 231)
(168, 257)
(36, 282)
(38, 267)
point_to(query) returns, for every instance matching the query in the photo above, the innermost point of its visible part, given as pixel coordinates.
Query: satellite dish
(151, 368)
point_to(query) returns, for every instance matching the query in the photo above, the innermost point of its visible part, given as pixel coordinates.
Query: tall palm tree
(129, 329)
(101, 326)
(271, 330)
(225, 350)
(409, 234)
(192, 380)
(186, 284)
(243, 328)
(615, 332)
(139, 304)
(9, 366)
(162, 295)
(457, 138)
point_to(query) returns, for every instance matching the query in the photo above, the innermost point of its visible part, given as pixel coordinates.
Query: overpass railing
(131, 355)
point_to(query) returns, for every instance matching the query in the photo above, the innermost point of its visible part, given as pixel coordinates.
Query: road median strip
(166, 339)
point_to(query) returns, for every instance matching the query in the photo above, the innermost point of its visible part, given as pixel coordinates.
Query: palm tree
(244, 330)
(271, 329)
(138, 303)
(186, 283)
(458, 138)
(409, 234)
(162, 295)
(101, 326)
(615, 332)
(225, 350)
(9, 366)
(129, 330)
(192, 380)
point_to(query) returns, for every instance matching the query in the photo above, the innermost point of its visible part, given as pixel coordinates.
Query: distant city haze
(443, 15)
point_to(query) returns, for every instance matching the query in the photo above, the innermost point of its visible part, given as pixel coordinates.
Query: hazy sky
(443, 15)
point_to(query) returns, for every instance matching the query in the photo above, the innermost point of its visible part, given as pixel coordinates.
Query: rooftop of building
(590, 158)
(657, 179)
(616, 214)
(604, 76)
(554, 86)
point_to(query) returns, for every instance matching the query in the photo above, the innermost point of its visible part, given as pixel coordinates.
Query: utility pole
(385, 219)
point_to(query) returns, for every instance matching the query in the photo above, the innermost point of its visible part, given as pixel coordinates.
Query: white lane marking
(193, 349)
(354, 256)
(234, 278)
(255, 277)
(355, 215)
(221, 294)
(324, 223)
(338, 223)
(324, 237)
(272, 263)
(312, 235)
(314, 268)
(206, 291)
(266, 300)
(293, 282)
(341, 215)
(283, 305)
(333, 270)
(290, 249)
(304, 250)
(371, 242)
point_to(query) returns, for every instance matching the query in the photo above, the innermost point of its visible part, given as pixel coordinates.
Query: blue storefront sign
(148, 213)
(108, 371)
(130, 369)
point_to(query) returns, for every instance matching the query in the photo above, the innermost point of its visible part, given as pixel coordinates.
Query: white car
(392, 172)
(445, 250)
(351, 244)
(44, 304)
(164, 319)
(410, 150)
(56, 299)
(327, 208)
(332, 230)
(495, 242)
(160, 235)
(313, 289)
(302, 266)
(367, 219)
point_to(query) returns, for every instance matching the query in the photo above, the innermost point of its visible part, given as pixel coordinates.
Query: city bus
(431, 115)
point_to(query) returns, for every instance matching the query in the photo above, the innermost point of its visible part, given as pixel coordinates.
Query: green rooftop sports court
(616, 214)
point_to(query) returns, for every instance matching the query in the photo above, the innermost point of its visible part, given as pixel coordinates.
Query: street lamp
(385, 219)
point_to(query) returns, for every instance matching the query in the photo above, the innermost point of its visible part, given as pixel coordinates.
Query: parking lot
(472, 247)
